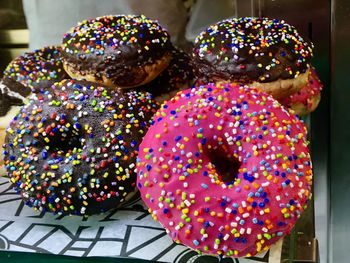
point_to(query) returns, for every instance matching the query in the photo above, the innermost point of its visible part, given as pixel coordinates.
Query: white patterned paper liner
(127, 232)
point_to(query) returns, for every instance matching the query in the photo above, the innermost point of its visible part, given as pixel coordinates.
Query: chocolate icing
(178, 75)
(251, 49)
(37, 69)
(118, 46)
(80, 142)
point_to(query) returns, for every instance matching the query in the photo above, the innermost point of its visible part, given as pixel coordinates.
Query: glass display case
(13, 30)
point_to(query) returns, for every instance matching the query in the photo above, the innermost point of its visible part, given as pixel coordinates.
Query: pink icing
(247, 134)
(306, 94)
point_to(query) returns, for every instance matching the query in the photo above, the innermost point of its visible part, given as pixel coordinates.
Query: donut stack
(89, 110)
(222, 165)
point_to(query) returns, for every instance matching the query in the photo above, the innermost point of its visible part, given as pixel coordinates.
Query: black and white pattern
(127, 232)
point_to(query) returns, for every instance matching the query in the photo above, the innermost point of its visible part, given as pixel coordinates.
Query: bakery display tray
(125, 235)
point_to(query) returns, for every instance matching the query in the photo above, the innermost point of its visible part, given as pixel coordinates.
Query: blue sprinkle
(281, 223)
(249, 178)
(148, 167)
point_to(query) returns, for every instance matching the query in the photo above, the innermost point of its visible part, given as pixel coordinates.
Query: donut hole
(64, 140)
(66, 144)
(226, 165)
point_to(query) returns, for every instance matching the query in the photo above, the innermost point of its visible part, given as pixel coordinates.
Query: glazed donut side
(122, 50)
(279, 89)
(72, 149)
(307, 99)
(225, 169)
(140, 75)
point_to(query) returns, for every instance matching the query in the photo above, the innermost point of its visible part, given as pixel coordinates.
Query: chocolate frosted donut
(124, 51)
(72, 150)
(268, 53)
(37, 69)
(177, 76)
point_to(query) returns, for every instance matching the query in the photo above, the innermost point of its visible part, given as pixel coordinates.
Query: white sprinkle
(245, 215)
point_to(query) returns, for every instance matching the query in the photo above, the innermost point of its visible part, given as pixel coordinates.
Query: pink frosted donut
(307, 99)
(225, 169)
